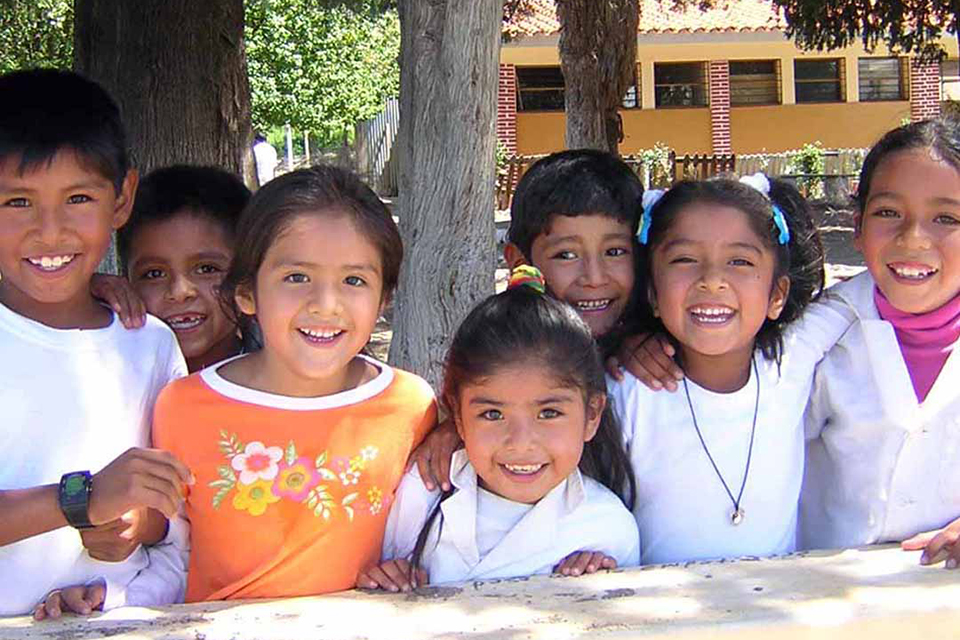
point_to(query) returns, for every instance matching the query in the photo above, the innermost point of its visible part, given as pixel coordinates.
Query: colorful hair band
(650, 199)
(525, 275)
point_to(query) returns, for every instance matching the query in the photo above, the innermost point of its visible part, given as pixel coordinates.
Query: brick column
(924, 90)
(720, 106)
(507, 107)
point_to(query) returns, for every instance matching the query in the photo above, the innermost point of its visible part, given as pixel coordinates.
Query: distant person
(266, 158)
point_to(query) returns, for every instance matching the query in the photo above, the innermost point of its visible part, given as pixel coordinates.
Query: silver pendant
(737, 516)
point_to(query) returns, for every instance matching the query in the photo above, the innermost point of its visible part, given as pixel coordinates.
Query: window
(819, 80)
(631, 99)
(680, 84)
(881, 79)
(950, 80)
(754, 82)
(539, 89)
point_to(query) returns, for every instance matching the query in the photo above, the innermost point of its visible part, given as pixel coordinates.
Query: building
(721, 81)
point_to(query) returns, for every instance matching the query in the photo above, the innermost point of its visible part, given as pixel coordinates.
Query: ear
(246, 301)
(124, 203)
(595, 406)
(513, 256)
(857, 228)
(652, 299)
(778, 297)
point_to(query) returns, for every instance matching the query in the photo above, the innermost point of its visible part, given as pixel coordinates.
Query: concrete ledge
(875, 593)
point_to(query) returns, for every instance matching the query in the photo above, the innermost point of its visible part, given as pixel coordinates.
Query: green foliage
(36, 33)
(656, 163)
(809, 161)
(902, 25)
(321, 65)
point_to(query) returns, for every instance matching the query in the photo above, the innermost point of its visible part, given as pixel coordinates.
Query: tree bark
(178, 70)
(598, 53)
(448, 88)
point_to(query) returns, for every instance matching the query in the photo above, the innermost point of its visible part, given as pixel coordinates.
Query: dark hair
(319, 190)
(801, 259)
(940, 135)
(521, 325)
(576, 182)
(206, 192)
(45, 111)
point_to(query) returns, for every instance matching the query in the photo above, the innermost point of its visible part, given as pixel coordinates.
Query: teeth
(524, 469)
(185, 322)
(325, 334)
(593, 305)
(51, 263)
(712, 314)
(913, 272)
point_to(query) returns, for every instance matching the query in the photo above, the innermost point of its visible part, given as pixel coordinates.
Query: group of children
(237, 442)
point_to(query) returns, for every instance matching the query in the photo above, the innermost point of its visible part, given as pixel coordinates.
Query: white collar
(857, 292)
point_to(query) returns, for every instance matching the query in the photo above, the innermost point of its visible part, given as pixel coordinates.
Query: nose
(51, 224)
(324, 300)
(912, 235)
(521, 433)
(181, 288)
(712, 278)
(594, 272)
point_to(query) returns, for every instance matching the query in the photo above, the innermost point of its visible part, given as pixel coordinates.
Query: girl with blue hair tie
(732, 266)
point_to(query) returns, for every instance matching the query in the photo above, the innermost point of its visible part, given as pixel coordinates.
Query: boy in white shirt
(77, 390)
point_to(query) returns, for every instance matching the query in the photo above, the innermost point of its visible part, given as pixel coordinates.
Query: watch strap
(73, 496)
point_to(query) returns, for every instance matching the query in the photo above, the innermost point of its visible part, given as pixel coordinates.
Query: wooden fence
(376, 160)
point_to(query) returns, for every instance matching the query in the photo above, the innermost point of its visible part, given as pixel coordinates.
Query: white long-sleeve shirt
(74, 400)
(484, 536)
(682, 509)
(881, 466)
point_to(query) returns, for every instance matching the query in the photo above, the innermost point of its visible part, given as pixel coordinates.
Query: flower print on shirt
(261, 475)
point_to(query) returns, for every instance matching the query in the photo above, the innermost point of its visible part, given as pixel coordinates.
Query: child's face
(713, 281)
(524, 431)
(317, 299)
(909, 231)
(56, 221)
(177, 266)
(587, 261)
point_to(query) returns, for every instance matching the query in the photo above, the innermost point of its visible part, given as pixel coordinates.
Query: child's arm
(649, 358)
(116, 540)
(138, 477)
(81, 599)
(432, 457)
(119, 294)
(392, 575)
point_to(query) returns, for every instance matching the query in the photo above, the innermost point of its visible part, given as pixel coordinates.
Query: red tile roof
(658, 16)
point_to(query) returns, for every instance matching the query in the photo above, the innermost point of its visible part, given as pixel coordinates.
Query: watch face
(75, 484)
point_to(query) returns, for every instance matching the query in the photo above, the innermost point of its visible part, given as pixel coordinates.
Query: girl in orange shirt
(297, 448)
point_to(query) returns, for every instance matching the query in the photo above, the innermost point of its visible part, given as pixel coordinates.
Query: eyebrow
(555, 399)
(304, 264)
(749, 246)
(574, 238)
(941, 200)
(5, 187)
(203, 255)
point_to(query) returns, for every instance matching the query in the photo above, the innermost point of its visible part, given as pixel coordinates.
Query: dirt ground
(836, 231)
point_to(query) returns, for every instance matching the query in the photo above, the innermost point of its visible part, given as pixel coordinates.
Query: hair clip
(650, 199)
(780, 220)
(524, 275)
(761, 183)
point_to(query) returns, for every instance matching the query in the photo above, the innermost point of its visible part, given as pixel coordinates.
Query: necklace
(738, 514)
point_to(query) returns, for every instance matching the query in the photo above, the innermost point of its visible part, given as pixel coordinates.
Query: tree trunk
(448, 89)
(598, 53)
(178, 70)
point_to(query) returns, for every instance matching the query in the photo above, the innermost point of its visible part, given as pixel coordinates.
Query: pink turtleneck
(926, 339)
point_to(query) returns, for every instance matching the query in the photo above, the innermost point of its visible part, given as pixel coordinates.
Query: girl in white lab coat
(883, 461)
(538, 486)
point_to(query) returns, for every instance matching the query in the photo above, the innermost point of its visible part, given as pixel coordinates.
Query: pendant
(737, 516)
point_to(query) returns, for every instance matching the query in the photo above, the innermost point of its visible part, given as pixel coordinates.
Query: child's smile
(909, 231)
(524, 431)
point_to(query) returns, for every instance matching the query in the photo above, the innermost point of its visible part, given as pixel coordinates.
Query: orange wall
(686, 130)
(790, 126)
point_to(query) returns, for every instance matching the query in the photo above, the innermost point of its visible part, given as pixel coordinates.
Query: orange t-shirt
(292, 494)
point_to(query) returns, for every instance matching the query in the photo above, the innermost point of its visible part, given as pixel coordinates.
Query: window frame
(778, 83)
(903, 91)
(840, 80)
(704, 74)
(520, 69)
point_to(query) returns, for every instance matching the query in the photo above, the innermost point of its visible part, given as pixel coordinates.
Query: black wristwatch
(74, 498)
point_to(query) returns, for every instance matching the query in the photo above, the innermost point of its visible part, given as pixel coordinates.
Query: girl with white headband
(732, 265)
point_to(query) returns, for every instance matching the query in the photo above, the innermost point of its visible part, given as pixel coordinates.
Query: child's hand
(937, 545)
(432, 457)
(138, 478)
(580, 562)
(649, 357)
(82, 599)
(120, 295)
(393, 575)
(116, 540)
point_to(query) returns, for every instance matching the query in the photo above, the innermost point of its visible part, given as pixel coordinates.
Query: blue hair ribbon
(781, 222)
(650, 199)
